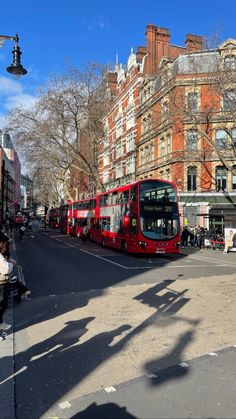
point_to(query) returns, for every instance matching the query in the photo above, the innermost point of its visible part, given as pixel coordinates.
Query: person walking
(85, 232)
(22, 232)
(5, 269)
(184, 237)
(201, 239)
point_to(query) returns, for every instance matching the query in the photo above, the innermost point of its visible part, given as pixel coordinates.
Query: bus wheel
(124, 247)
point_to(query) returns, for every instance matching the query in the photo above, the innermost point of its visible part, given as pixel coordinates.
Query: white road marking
(109, 389)
(213, 354)
(138, 267)
(208, 259)
(64, 405)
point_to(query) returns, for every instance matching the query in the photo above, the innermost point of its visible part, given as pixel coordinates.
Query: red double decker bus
(84, 214)
(142, 217)
(54, 217)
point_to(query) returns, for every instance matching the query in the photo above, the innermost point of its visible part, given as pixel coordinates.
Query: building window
(192, 179)
(168, 144)
(130, 165)
(130, 119)
(192, 140)
(221, 138)
(229, 100)
(119, 127)
(130, 141)
(221, 179)
(151, 152)
(193, 103)
(119, 170)
(162, 147)
(119, 150)
(106, 158)
(230, 63)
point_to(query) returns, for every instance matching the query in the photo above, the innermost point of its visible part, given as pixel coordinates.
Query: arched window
(192, 179)
(221, 178)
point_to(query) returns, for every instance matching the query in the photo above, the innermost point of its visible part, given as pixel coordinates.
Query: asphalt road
(57, 351)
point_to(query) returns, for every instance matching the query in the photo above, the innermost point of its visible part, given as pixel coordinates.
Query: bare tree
(49, 134)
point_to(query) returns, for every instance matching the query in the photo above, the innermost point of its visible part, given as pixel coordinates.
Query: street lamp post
(16, 68)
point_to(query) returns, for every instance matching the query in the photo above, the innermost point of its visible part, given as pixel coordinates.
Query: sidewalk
(7, 390)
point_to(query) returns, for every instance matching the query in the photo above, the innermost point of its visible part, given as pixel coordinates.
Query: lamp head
(16, 68)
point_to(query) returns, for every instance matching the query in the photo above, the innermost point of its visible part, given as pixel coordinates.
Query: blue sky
(55, 33)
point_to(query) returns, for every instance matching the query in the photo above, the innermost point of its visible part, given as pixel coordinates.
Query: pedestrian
(11, 224)
(184, 237)
(85, 231)
(201, 239)
(6, 268)
(16, 287)
(22, 232)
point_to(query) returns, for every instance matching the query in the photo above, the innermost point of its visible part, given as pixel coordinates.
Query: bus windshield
(159, 218)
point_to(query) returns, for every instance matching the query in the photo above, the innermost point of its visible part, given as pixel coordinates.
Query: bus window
(124, 197)
(114, 198)
(133, 193)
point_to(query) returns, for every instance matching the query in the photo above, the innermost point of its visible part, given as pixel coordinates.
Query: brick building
(117, 149)
(187, 131)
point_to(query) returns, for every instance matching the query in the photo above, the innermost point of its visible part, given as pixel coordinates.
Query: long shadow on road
(49, 370)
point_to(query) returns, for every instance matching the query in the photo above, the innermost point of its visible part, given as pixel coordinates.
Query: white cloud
(9, 87)
(12, 94)
(23, 100)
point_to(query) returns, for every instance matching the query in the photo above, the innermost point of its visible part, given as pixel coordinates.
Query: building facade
(187, 132)
(27, 188)
(9, 177)
(117, 150)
